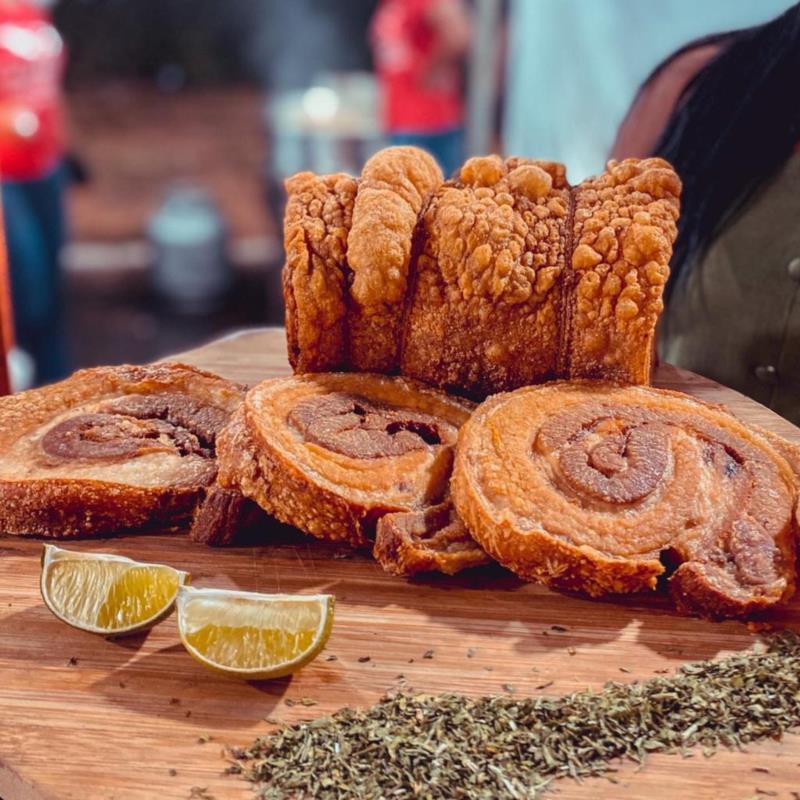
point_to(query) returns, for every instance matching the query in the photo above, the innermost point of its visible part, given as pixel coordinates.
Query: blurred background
(181, 118)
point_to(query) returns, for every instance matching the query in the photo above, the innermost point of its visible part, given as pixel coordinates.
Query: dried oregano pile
(450, 746)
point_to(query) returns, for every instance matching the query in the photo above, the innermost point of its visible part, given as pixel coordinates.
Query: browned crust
(316, 224)
(433, 540)
(692, 593)
(67, 507)
(222, 515)
(485, 308)
(394, 187)
(556, 562)
(500, 278)
(624, 226)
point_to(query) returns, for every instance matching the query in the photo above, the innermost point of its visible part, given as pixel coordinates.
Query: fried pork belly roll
(316, 224)
(432, 540)
(789, 450)
(110, 449)
(333, 453)
(395, 184)
(623, 231)
(223, 515)
(501, 278)
(484, 313)
(599, 488)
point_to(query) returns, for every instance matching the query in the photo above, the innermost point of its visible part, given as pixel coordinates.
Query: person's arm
(647, 118)
(451, 21)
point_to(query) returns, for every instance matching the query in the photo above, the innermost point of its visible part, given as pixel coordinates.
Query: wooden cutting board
(86, 718)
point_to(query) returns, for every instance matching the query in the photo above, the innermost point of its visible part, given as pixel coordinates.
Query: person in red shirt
(31, 154)
(419, 48)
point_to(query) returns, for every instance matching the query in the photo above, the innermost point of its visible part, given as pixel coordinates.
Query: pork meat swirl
(334, 453)
(111, 448)
(603, 489)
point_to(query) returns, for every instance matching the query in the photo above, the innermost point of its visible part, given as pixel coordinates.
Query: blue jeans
(447, 147)
(35, 233)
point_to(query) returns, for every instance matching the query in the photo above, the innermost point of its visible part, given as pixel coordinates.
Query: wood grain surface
(86, 718)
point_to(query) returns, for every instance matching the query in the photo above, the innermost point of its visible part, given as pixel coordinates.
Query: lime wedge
(253, 636)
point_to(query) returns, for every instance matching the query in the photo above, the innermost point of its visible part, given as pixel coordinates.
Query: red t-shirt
(403, 41)
(31, 116)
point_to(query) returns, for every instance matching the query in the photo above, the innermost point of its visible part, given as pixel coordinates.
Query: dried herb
(200, 793)
(452, 746)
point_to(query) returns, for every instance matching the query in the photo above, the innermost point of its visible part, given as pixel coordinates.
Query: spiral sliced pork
(604, 489)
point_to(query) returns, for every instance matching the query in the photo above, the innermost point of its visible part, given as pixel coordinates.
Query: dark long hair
(734, 127)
